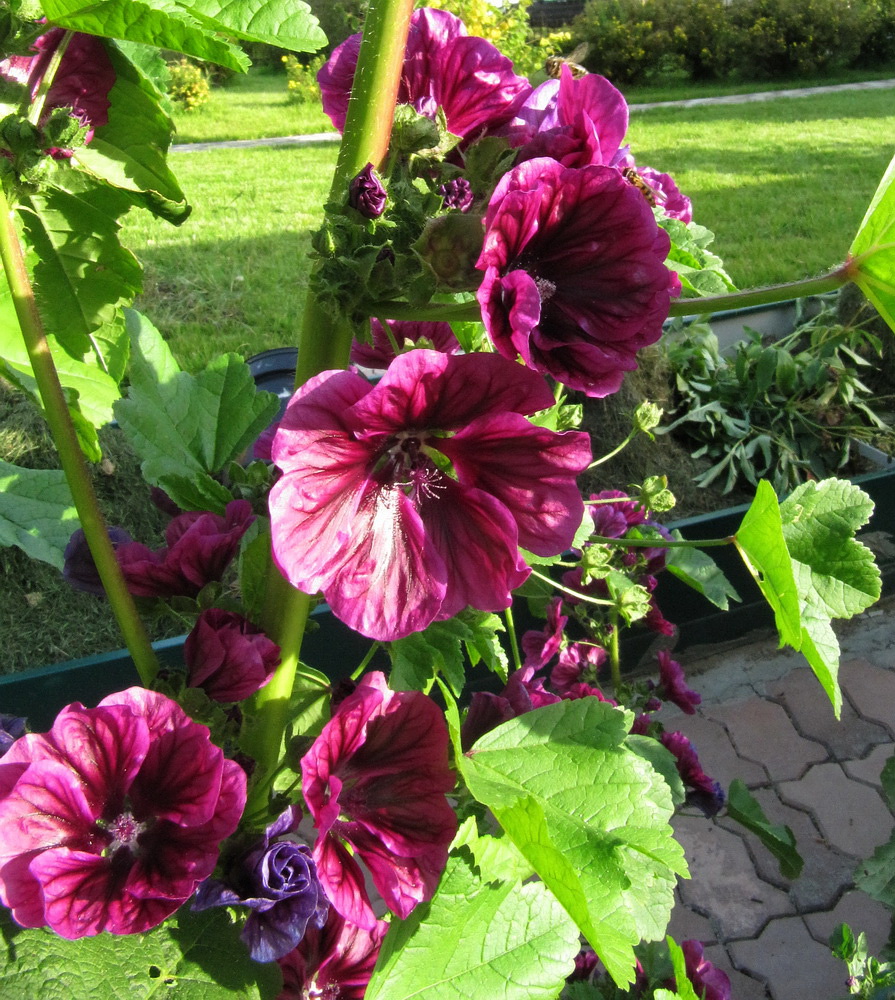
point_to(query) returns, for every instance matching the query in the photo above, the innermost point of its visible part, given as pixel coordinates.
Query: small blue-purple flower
(11, 728)
(79, 569)
(277, 880)
(366, 193)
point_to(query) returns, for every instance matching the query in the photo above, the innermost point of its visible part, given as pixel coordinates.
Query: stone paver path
(765, 719)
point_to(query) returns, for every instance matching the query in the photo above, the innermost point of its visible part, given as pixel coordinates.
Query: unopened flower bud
(647, 416)
(366, 193)
(450, 245)
(655, 495)
(457, 194)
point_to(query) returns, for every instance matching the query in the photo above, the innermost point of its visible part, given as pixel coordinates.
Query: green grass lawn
(782, 184)
(250, 106)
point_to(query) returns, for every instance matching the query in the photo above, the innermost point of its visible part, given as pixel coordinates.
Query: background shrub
(301, 79)
(624, 43)
(699, 34)
(188, 85)
(878, 45)
(780, 38)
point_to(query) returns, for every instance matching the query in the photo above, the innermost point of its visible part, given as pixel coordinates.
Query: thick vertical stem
(325, 343)
(70, 455)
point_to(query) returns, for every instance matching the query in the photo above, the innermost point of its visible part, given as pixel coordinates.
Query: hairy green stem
(70, 455)
(572, 593)
(662, 543)
(615, 659)
(325, 343)
(511, 632)
(365, 662)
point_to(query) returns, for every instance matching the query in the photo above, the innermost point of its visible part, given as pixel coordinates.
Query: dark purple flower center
(407, 462)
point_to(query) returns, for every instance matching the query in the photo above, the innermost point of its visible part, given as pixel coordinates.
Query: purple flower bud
(11, 728)
(457, 194)
(366, 193)
(277, 880)
(228, 656)
(79, 568)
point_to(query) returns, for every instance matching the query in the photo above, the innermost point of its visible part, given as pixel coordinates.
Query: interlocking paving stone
(812, 712)
(871, 690)
(685, 925)
(826, 871)
(795, 966)
(723, 881)
(761, 731)
(870, 768)
(742, 987)
(861, 913)
(716, 753)
(849, 814)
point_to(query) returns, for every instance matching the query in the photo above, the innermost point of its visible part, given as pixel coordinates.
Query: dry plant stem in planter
(479, 802)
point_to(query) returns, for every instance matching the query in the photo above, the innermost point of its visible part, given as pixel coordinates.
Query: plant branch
(764, 296)
(70, 455)
(662, 543)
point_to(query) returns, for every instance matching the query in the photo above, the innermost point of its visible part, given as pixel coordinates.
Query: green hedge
(633, 40)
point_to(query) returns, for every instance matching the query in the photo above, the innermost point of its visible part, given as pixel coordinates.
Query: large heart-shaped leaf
(37, 512)
(186, 426)
(873, 251)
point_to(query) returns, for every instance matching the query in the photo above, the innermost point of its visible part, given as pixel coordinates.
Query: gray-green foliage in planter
(786, 411)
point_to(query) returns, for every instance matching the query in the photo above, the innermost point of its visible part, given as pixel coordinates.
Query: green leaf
(477, 939)
(288, 24)
(184, 426)
(760, 542)
(835, 575)
(779, 840)
(129, 152)
(495, 857)
(165, 24)
(873, 249)
(190, 957)
(698, 570)
(83, 277)
(603, 847)
(701, 272)
(418, 658)
(36, 512)
(682, 982)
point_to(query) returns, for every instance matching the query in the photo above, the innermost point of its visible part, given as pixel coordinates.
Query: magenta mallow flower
(82, 82)
(706, 794)
(380, 353)
(575, 281)
(200, 547)
(366, 193)
(227, 656)
(612, 520)
(334, 963)
(667, 194)
(276, 878)
(443, 67)
(709, 982)
(673, 685)
(577, 122)
(579, 663)
(112, 818)
(523, 692)
(540, 647)
(375, 782)
(367, 512)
